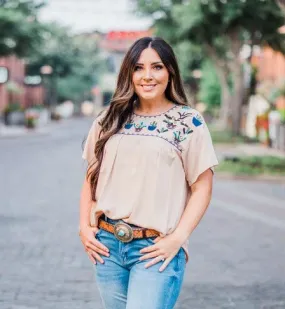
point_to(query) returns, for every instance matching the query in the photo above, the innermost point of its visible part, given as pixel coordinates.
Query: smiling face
(150, 77)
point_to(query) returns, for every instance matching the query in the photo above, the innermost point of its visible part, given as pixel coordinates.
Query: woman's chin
(148, 96)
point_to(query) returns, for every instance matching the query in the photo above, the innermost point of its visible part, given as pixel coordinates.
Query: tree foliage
(87, 67)
(21, 33)
(210, 88)
(27, 7)
(248, 21)
(221, 28)
(57, 51)
(75, 62)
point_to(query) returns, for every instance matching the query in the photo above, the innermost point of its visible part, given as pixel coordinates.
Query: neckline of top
(147, 116)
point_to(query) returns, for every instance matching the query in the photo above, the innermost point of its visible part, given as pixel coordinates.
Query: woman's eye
(158, 67)
(137, 68)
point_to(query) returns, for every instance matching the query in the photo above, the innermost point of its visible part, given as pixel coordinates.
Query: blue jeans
(124, 283)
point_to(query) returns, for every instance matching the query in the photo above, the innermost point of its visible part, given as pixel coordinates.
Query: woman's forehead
(149, 55)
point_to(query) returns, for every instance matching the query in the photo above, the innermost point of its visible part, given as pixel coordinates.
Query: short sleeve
(198, 154)
(92, 137)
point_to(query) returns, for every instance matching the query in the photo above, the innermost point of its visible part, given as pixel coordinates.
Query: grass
(253, 165)
(226, 137)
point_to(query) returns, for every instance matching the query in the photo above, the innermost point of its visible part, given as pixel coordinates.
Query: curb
(247, 150)
(263, 177)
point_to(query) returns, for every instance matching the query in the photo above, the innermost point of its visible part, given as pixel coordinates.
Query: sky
(90, 15)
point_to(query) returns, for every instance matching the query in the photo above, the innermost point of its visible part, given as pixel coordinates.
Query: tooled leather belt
(125, 232)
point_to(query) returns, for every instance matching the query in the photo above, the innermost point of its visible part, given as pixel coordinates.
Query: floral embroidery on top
(178, 138)
(172, 126)
(197, 121)
(162, 130)
(183, 116)
(128, 125)
(152, 126)
(139, 127)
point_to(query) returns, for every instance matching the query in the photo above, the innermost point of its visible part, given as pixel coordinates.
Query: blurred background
(59, 61)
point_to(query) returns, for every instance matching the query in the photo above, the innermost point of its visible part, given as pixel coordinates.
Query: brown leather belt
(125, 232)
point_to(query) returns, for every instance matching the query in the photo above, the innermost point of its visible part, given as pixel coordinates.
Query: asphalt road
(237, 253)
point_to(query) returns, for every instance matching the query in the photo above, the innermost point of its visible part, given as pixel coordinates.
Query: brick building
(28, 95)
(271, 67)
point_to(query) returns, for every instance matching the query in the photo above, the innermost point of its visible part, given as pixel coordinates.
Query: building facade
(13, 89)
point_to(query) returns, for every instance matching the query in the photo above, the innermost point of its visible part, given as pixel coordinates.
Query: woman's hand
(164, 248)
(92, 246)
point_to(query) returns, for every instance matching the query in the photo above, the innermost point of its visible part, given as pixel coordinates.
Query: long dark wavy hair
(123, 101)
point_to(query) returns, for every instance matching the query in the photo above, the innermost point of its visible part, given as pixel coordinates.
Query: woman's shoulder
(100, 117)
(186, 109)
(188, 115)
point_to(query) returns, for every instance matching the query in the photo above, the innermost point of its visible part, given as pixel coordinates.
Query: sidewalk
(243, 150)
(238, 150)
(19, 131)
(22, 131)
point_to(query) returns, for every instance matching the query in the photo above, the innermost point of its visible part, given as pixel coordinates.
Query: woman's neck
(152, 106)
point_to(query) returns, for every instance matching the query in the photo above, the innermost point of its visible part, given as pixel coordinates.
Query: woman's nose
(147, 78)
(147, 74)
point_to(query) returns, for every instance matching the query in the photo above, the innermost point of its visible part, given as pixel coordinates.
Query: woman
(148, 184)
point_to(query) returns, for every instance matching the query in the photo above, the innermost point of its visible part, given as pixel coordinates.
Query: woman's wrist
(83, 225)
(180, 235)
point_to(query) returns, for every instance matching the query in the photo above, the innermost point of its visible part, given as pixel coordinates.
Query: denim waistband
(114, 221)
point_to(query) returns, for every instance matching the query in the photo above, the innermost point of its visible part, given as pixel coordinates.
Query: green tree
(27, 7)
(221, 28)
(86, 70)
(21, 33)
(210, 89)
(75, 62)
(189, 57)
(57, 51)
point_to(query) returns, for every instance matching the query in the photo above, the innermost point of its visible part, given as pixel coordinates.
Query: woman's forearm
(85, 204)
(194, 211)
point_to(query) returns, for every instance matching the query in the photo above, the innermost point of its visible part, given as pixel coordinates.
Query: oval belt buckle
(123, 232)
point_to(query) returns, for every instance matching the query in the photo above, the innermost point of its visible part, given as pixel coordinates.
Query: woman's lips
(148, 87)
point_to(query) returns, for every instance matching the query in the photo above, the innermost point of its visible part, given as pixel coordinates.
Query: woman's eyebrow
(151, 63)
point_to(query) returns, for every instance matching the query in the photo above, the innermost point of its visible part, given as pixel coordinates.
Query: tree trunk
(225, 98)
(222, 72)
(238, 94)
(236, 68)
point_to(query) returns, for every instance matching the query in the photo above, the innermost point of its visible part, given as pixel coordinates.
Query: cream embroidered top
(148, 166)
